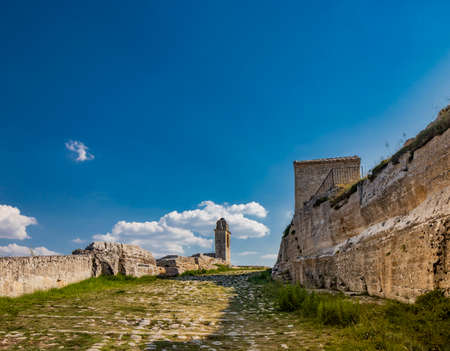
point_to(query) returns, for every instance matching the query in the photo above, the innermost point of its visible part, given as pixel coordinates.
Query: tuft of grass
(221, 268)
(435, 128)
(287, 229)
(345, 193)
(338, 312)
(320, 200)
(378, 168)
(261, 277)
(327, 309)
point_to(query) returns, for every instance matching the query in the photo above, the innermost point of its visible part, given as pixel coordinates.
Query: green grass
(391, 325)
(287, 229)
(221, 268)
(14, 305)
(262, 277)
(327, 309)
(320, 200)
(345, 193)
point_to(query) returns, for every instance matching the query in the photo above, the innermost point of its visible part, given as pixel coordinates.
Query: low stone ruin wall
(114, 258)
(22, 275)
(174, 265)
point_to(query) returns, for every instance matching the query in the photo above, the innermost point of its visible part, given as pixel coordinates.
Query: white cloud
(13, 225)
(80, 150)
(246, 253)
(203, 219)
(269, 257)
(105, 237)
(175, 231)
(78, 241)
(252, 209)
(18, 250)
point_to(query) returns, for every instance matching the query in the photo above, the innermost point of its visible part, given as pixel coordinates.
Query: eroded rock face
(113, 258)
(390, 238)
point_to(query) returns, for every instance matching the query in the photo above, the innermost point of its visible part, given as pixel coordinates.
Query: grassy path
(216, 312)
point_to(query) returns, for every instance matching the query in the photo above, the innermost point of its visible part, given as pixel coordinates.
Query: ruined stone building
(222, 240)
(387, 234)
(314, 178)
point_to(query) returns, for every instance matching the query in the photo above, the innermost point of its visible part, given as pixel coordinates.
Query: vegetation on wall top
(435, 128)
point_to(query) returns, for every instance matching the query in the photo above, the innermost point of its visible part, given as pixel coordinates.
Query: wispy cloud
(269, 257)
(246, 253)
(78, 241)
(175, 231)
(18, 250)
(80, 150)
(13, 225)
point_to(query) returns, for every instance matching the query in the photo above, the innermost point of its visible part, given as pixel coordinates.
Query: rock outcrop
(113, 258)
(389, 237)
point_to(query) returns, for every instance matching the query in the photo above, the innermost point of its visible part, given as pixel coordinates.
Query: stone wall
(22, 275)
(309, 175)
(174, 265)
(390, 238)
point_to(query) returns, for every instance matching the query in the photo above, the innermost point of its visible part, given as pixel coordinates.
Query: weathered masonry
(222, 240)
(387, 235)
(314, 178)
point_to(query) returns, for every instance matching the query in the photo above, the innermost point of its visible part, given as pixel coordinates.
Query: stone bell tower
(222, 240)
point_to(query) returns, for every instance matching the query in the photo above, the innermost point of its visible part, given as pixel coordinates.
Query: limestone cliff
(388, 235)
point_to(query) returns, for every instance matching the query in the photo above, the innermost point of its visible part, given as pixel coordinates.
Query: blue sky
(186, 102)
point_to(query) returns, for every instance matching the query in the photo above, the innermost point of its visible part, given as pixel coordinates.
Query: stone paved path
(221, 312)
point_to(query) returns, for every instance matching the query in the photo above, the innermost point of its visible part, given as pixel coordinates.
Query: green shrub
(262, 277)
(320, 201)
(291, 297)
(338, 312)
(378, 168)
(325, 308)
(345, 193)
(287, 229)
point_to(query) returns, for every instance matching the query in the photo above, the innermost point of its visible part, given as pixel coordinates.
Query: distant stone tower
(222, 242)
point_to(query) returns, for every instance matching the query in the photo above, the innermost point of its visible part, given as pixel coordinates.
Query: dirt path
(221, 312)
